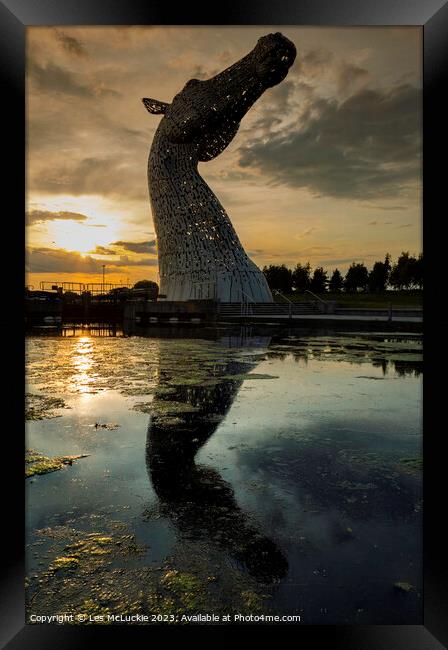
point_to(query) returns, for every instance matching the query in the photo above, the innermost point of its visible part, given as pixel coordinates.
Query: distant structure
(200, 255)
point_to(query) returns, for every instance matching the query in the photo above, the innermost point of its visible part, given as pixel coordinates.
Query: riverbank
(398, 299)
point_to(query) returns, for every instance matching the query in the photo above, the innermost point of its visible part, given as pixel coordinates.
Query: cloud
(143, 261)
(386, 207)
(71, 44)
(137, 247)
(275, 107)
(199, 72)
(107, 176)
(307, 232)
(51, 78)
(350, 77)
(355, 258)
(311, 251)
(225, 57)
(313, 62)
(131, 246)
(103, 250)
(317, 64)
(59, 260)
(39, 216)
(368, 146)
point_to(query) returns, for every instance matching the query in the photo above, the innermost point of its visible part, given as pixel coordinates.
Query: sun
(77, 236)
(100, 226)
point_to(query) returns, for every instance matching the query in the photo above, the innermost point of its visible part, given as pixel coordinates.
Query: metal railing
(313, 294)
(283, 296)
(81, 287)
(276, 291)
(210, 289)
(245, 303)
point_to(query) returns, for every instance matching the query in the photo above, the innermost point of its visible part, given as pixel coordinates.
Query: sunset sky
(325, 167)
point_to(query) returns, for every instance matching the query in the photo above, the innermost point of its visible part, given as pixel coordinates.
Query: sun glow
(82, 361)
(80, 237)
(103, 224)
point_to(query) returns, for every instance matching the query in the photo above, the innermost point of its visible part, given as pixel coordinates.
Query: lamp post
(104, 266)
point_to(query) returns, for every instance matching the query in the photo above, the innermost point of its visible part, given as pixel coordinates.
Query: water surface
(276, 473)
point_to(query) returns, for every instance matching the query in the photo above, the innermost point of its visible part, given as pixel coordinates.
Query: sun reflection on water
(82, 361)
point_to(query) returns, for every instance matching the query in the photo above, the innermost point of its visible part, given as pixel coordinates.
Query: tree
(404, 271)
(379, 275)
(278, 277)
(145, 284)
(418, 272)
(319, 280)
(301, 277)
(336, 281)
(357, 277)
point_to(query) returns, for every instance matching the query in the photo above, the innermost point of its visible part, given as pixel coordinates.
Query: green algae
(63, 563)
(243, 377)
(88, 574)
(39, 407)
(143, 407)
(411, 465)
(187, 589)
(136, 391)
(137, 366)
(356, 348)
(254, 602)
(198, 380)
(38, 464)
(110, 426)
(404, 587)
(32, 456)
(161, 391)
(162, 408)
(171, 423)
(83, 577)
(94, 610)
(168, 407)
(93, 545)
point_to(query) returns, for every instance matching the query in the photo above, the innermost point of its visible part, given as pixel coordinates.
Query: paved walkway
(331, 317)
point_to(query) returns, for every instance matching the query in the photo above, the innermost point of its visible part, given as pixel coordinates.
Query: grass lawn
(412, 299)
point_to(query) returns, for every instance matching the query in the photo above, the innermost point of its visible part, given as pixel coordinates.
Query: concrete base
(170, 311)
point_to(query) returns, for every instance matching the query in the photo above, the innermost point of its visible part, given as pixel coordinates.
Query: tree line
(406, 273)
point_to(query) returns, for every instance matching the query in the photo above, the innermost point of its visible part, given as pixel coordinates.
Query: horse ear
(154, 106)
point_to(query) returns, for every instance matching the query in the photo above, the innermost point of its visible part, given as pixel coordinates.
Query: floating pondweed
(36, 463)
(38, 407)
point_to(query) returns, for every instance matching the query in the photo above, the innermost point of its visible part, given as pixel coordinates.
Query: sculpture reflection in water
(195, 497)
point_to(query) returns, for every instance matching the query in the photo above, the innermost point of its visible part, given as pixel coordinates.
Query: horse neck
(168, 160)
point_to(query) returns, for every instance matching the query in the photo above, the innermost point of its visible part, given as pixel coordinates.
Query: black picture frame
(432, 15)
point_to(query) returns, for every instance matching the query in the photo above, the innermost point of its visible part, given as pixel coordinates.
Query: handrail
(280, 294)
(291, 304)
(247, 296)
(313, 294)
(245, 303)
(200, 283)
